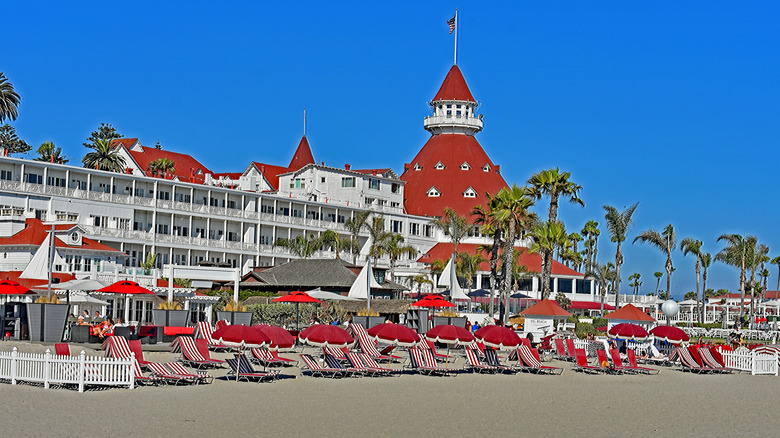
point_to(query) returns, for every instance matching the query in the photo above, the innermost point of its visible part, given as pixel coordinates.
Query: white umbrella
(87, 300)
(83, 284)
(329, 296)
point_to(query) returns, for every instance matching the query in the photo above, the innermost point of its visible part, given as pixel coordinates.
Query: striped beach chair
(492, 359)
(529, 357)
(268, 358)
(135, 347)
(314, 369)
(418, 363)
(333, 362)
(357, 364)
(242, 369)
(203, 330)
(710, 361)
(689, 363)
(140, 378)
(475, 365)
(164, 375)
(179, 369)
(368, 345)
(192, 356)
(371, 363)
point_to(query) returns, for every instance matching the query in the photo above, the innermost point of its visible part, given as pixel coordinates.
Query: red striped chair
(529, 357)
(475, 365)
(710, 361)
(135, 347)
(418, 363)
(368, 345)
(164, 375)
(191, 355)
(203, 330)
(314, 369)
(361, 368)
(179, 369)
(690, 364)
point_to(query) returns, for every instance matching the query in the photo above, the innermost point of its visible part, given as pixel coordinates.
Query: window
(99, 221)
(427, 230)
(417, 166)
(458, 114)
(33, 178)
(395, 204)
(266, 208)
(348, 181)
(373, 184)
(297, 213)
(322, 180)
(298, 183)
(55, 181)
(439, 166)
(465, 166)
(414, 229)
(396, 226)
(6, 175)
(165, 196)
(433, 192)
(395, 187)
(486, 168)
(370, 201)
(123, 224)
(470, 193)
(449, 113)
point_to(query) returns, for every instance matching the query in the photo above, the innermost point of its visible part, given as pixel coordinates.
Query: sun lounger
(492, 359)
(264, 357)
(164, 375)
(204, 331)
(179, 369)
(581, 363)
(241, 369)
(603, 360)
(418, 363)
(571, 349)
(140, 378)
(193, 356)
(560, 350)
(135, 347)
(371, 363)
(338, 353)
(333, 362)
(710, 361)
(355, 359)
(368, 345)
(530, 362)
(428, 344)
(203, 349)
(690, 364)
(632, 364)
(473, 363)
(315, 369)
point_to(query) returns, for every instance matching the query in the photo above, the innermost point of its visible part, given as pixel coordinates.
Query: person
(475, 327)
(83, 317)
(104, 328)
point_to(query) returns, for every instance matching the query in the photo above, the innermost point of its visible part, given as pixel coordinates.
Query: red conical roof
(546, 308)
(454, 87)
(452, 151)
(629, 312)
(302, 156)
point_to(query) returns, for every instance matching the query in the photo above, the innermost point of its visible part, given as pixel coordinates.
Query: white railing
(66, 370)
(753, 361)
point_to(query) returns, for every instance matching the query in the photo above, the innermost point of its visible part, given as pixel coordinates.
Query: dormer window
(470, 193)
(486, 168)
(417, 166)
(433, 192)
(439, 166)
(465, 166)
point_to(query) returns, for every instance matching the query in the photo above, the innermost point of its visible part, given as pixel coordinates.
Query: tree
(452, 225)
(301, 246)
(658, 277)
(468, 265)
(512, 211)
(736, 254)
(104, 157)
(706, 262)
(563, 301)
(163, 166)
(419, 280)
(591, 231)
(635, 283)
(693, 246)
(555, 184)
(491, 226)
(377, 236)
(104, 132)
(776, 261)
(150, 263)
(11, 142)
(547, 236)
(618, 224)
(9, 99)
(666, 241)
(604, 274)
(354, 225)
(691, 296)
(48, 152)
(394, 247)
(334, 241)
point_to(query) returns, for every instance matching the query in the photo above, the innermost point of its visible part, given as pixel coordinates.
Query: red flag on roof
(451, 22)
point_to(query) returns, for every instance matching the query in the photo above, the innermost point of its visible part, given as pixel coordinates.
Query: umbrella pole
(297, 318)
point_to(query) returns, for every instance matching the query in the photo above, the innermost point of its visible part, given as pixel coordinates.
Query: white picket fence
(754, 361)
(66, 370)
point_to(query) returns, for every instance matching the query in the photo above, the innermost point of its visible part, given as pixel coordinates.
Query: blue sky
(673, 106)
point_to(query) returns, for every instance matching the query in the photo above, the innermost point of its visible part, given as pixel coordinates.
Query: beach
(670, 404)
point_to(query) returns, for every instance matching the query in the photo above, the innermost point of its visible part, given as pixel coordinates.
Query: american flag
(451, 22)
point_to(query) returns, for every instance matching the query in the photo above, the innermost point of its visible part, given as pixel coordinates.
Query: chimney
(407, 166)
(346, 166)
(373, 172)
(322, 163)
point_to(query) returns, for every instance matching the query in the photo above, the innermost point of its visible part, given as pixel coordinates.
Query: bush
(584, 328)
(573, 318)
(599, 322)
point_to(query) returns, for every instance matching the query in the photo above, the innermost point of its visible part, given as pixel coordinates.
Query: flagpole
(455, 61)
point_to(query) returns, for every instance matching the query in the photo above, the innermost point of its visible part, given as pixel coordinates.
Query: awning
(589, 305)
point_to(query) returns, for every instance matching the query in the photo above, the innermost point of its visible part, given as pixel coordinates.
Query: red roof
(590, 305)
(454, 87)
(271, 173)
(302, 156)
(452, 150)
(186, 167)
(630, 313)
(34, 233)
(35, 283)
(126, 142)
(164, 283)
(371, 171)
(546, 308)
(443, 251)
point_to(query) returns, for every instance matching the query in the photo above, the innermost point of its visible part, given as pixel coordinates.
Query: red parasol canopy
(241, 336)
(433, 301)
(280, 338)
(296, 297)
(497, 336)
(10, 287)
(125, 287)
(394, 334)
(450, 334)
(670, 333)
(325, 335)
(628, 331)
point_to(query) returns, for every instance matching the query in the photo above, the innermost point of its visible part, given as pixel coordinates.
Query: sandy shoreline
(672, 404)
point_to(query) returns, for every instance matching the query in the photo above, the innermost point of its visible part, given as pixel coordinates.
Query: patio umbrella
(452, 335)
(85, 284)
(433, 301)
(497, 336)
(280, 338)
(324, 295)
(628, 331)
(325, 335)
(670, 333)
(297, 297)
(10, 287)
(395, 334)
(479, 293)
(240, 336)
(126, 288)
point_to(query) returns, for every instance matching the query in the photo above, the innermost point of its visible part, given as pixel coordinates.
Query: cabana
(629, 314)
(541, 318)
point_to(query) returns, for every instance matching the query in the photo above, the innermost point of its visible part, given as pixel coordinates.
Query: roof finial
(304, 121)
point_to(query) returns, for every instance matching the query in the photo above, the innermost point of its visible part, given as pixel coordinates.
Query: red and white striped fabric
(190, 350)
(451, 23)
(528, 357)
(338, 353)
(117, 347)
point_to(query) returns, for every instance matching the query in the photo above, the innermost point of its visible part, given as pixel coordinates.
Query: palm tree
(452, 225)
(658, 277)
(555, 184)
(419, 280)
(547, 237)
(776, 261)
(394, 247)
(468, 265)
(591, 230)
(693, 246)
(164, 166)
(334, 241)
(354, 225)
(377, 236)
(301, 246)
(512, 211)
(575, 238)
(757, 254)
(491, 226)
(150, 263)
(735, 254)
(9, 99)
(618, 224)
(104, 157)
(603, 274)
(50, 153)
(706, 262)
(665, 241)
(635, 283)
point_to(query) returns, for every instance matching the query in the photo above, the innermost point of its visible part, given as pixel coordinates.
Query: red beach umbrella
(10, 287)
(670, 333)
(325, 335)
(628, 331)
(497, 336)
(125, 287)
(450, 334)
(394, 334)
(297, 297)
(280, 338)
(433, 301)
(241, 336)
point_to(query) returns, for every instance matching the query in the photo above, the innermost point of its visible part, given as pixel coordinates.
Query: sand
(670, 404)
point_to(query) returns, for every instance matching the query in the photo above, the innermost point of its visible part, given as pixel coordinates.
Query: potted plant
(235, 313)
(47, 318)
(366, 319)
(169, 315)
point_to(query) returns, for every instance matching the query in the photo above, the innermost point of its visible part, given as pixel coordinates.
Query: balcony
(443, 124)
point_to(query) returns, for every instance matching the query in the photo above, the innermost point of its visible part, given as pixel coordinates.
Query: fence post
(753, 362)
(131, 370)
(46, 368)
(14, 355)
(82, 370)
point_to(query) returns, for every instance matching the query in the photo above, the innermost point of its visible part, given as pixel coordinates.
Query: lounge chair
(560, 350)
(191, 355)
(179, 369)
(203, 348)
(316, 370)
(338, 353)
(710, 361)
(360, 367)
(603, 360)
(632, 364)
(581, 363)
(690, 364)
(473, 363)
(529, 358)
(418, 363)
(135, 347)
(269, 358)
(571, 350)
(368, 345)
(492, 359)
(241, 369)
(164, 375)
(429, 345)
(62, 349)
(140, 378)
(333, 362)
(203, 330)
(371, 363)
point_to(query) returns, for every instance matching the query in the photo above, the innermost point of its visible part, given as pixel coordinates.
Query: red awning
(590, 305)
